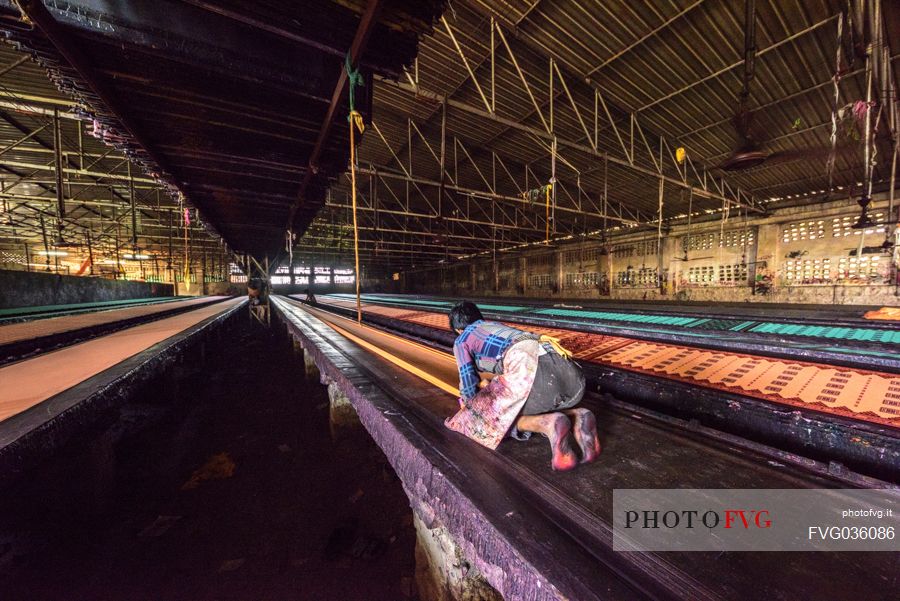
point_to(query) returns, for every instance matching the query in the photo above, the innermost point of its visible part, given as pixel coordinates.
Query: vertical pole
(268, 294)
(191, 250)
(455, 163)
(493, 64)
(829, 165)
(443, 157)
(203, 270)
(553, 191)
(170, 264)
(80, 146)
(58, 172)
(547, 214)
(867, 153)
(90, 253)
(46, 245)
(551, 188)
(494, 170)
(118, 262)
(186, 270)
(659, 254)
(134, 244)
(605, 197)
(551, 95)
(355, 222)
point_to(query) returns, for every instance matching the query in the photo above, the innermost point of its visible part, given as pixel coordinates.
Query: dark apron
(559, 384)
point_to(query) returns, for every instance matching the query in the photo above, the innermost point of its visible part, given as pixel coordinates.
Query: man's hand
(484, 382)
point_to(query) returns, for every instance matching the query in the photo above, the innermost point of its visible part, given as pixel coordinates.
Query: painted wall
(27, 289)
(806, 254)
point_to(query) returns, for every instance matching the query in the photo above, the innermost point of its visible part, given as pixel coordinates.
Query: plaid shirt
(480, 348)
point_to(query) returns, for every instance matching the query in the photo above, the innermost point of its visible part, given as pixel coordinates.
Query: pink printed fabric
(491, 413)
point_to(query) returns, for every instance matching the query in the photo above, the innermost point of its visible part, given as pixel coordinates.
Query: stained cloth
(487, 416)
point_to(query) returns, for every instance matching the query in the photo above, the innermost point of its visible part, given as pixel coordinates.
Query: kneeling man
(535, 388)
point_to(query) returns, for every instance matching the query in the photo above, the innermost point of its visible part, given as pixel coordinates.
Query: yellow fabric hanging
(548, 189)
(554, 342)
(356, 122)
(356, 119)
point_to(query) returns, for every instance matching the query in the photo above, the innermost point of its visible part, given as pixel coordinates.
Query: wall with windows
(805, 254)
(541, 273)
(827, 251)
(634, 264)
(509, 276)
(581, 268)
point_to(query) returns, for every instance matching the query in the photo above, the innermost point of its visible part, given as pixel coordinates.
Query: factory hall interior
(449, 300)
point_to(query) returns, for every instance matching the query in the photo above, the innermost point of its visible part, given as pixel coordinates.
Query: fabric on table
(884, 313)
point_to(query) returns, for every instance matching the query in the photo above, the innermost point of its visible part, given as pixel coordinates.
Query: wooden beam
(360, 40)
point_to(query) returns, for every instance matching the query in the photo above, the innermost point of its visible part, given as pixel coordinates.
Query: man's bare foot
(560, 434)
(558, 429)
(584, 425)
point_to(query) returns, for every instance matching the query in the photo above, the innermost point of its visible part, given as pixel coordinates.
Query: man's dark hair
(464, 314)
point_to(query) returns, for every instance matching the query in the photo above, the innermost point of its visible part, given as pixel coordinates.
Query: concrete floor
(299, 517)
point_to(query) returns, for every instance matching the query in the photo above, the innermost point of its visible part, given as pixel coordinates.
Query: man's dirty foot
(584, 424)
(560, 435)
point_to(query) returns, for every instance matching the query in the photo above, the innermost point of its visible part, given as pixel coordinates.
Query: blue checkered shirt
(480, 348)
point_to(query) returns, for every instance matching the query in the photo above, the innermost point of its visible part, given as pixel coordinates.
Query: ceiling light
(53, 253)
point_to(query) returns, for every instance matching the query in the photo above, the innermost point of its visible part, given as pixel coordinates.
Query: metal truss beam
(586, 149)
(372, 170)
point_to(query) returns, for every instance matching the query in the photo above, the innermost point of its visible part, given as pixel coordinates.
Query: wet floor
(238, 493)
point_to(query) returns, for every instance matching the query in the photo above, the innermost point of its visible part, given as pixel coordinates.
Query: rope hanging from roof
(354, 78)
(548, 188)
(356, 122)
(186, 268)
(836, 78)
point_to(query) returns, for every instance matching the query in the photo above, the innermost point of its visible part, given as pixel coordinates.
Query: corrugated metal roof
(233, 95)
(226, 99)
(677, 66)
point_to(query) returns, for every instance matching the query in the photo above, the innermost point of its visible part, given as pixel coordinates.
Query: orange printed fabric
(491, 413)
(884, 313)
